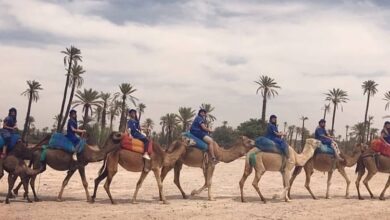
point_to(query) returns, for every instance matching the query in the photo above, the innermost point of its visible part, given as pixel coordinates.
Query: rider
(201, 131)
(9, 127)
(72, 129)
(135, 131)
(322, 135)
(276, 136)
(385, 134)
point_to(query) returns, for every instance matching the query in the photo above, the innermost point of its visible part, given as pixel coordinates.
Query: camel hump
(200, 144)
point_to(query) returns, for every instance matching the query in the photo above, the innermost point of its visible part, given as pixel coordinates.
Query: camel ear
(117, 137)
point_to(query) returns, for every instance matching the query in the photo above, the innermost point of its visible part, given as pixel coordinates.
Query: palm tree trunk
(264, 105)
(111, 120)
(122, 119)
(60, 118)
(324, 114)
(346, 134)
(368, 129)
(25, 128)
(333, 118)
(139, 117)
(69, 105)
(302, 136)
(291, 137)
(295, 142)
(104, 113)
(85, 118)
(365, 115)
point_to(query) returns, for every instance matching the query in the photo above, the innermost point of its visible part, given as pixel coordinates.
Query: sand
(226, 191)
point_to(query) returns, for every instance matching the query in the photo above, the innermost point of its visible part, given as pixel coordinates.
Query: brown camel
(327, 163)
(194, 157)
(63, 161)
(134, 162)
(274, 162)
(374, 163)
(16, 167)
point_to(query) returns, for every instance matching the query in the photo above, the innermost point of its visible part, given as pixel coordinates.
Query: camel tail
(359, 165)
(101, 170)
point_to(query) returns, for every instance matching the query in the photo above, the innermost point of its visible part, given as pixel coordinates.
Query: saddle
(324, 149)
(13, 138)
(135, 145)
(378, 146)
(199, 144)
(267, 145)
(60, 142)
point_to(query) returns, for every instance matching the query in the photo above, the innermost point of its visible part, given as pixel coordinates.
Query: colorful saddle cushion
(324, 149)
(61, 142)
(200, 144)
(135, 145)
(379, 146)
(267, 145)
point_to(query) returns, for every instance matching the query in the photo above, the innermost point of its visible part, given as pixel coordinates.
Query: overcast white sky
(184, 53)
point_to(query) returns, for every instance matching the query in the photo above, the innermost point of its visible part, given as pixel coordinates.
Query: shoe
(146, 156)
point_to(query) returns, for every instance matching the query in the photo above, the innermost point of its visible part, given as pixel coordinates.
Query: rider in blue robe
(276, 136)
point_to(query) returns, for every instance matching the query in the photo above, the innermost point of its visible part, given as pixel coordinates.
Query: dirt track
(226, 190)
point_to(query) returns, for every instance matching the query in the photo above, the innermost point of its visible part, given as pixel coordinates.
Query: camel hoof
(347, 197)
(12, 196)
(194, 192)
(29, 201)
(328, 197)
(361, 198)
(165, 202)
(6, 201)
(382, 198)
(134, 202)
(37, 200)
(212, 199)
(15, 192)
(59, 200)
(185, 197)
(288, 200)
(265, 201)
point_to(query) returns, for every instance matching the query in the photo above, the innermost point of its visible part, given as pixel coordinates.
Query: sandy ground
(226, 190)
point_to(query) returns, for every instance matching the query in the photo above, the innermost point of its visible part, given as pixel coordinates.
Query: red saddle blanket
(378, 146)
(135, 145)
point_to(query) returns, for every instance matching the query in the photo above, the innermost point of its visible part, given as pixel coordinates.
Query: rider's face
(12, 113)
(322, 124)
(203, 114)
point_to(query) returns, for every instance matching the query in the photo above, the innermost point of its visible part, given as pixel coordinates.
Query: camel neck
(302, 158)
(352, 160)
(231, 154)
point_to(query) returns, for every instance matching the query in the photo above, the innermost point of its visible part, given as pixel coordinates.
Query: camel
(16, 167)
(194, 157)
(327, 163)
(274, 162)
(134, 162)
(63, 161)
(374, 163)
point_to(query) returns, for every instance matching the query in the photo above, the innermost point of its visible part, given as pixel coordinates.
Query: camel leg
(196, 192)
(357, 182)
(110, 176)
(286, 184)
(16, 189)
(328, 183)
(64, 183)
(25, 180)
(139, 184)
(160, 186)
(209, 180)
(309, 172)
(247, 171)
(365, 182)
(97, 181)
(176, 180)
(344, 174)
(256, 181)
(382, 197)
(85, 183)
(11, 183)
(296, 172)
(32, 184)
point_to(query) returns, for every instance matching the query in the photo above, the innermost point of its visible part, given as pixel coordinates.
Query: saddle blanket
(135, 145)
(200, 144)
(61, 142)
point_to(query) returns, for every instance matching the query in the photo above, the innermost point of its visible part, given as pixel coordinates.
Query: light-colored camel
(194, 157)
(63, 161)
(134, 162)
(274, 162)
(374, 163)
(328, 163)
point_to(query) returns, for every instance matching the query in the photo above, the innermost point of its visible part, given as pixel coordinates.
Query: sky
(187, 52)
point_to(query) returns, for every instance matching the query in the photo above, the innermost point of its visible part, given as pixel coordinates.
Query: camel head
(312, 143)
(113, 140)
(360, 148)
(21, 150)
(176, 151)
(244, 144)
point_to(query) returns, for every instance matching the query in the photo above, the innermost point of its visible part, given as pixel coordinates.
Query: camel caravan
(135, 152)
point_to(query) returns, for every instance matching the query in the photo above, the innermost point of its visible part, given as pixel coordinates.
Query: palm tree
(373, 133)
(336, 96)
(358, 131)
(72, 55)
(32, 93)
(346, 132)
(291, 130)
(30, 123)
(126, 92)
(171, 124)
(163, 123)
(114, 110)
(105, 97)
(141, 109)
(368, 128)
(186, 114)
(76, 81)
(88, 98)
(209, 108)
(387, 99)
(326, 110)
(148, 126)
(369, 88)
(303, 118)
(284, 126)
(267, 88)
(298, 131)
(98, 113)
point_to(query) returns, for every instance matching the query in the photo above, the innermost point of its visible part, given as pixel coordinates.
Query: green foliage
(97, 135)
(225, 136)
(252, 128)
